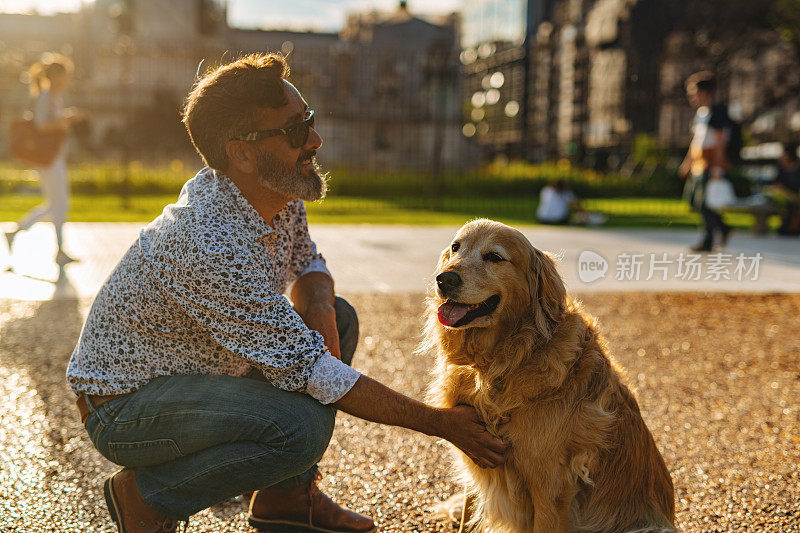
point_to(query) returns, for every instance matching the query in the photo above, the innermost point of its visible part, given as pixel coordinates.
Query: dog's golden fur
(581, 458)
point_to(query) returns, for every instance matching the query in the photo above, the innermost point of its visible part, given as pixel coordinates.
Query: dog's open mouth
(455, 314)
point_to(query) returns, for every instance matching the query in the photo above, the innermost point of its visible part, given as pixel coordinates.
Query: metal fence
(394, 114)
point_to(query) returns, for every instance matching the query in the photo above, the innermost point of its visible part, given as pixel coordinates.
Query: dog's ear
(548, 295)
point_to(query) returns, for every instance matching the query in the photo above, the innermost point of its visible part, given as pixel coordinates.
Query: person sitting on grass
(195, 373)
(558, 205)
(556, 201)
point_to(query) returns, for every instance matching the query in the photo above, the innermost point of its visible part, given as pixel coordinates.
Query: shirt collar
(255, 225)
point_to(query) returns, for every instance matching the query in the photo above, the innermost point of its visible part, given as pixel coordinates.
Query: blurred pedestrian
(49, 79)
(707, 158)
(788, 183)
(556, 200)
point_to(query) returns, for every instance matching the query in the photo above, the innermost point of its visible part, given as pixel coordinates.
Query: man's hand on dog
(463, 427)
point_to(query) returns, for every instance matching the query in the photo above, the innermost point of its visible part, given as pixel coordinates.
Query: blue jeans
(197, 440)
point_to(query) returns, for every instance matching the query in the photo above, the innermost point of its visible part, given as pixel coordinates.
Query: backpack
(720, 119)
(733, 148)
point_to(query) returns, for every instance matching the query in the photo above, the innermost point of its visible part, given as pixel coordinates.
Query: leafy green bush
(648, 151)
(514, 179)
(92, 178)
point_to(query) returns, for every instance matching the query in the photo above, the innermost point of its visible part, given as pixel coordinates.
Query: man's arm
(370, 400)
(313, 297)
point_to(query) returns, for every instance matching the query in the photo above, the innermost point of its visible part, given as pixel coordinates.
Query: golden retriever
(510, 342)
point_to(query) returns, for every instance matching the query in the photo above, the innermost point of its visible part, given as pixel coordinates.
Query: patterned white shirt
(201, 292)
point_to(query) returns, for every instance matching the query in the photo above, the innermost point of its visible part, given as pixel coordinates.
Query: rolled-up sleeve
(230, 296)
(331, 379)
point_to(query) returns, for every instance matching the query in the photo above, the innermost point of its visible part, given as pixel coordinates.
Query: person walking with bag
(49, 79)
(707, 159)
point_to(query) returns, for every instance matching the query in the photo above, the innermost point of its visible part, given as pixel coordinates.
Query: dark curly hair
(702, 81)
(228, 100)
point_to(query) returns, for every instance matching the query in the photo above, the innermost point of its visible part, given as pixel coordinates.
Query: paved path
(398, 259)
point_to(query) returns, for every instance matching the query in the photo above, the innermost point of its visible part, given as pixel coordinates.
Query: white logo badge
(591, 266)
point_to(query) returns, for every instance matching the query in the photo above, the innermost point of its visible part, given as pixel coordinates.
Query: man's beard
(290, 180)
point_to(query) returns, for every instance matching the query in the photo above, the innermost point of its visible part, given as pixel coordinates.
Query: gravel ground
(717, 376)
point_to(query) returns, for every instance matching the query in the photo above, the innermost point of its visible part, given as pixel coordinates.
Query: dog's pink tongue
(451, 312)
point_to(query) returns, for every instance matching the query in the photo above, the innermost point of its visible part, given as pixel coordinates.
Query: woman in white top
(49, 78)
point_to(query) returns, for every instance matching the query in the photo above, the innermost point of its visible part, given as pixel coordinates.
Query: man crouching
(194, 372)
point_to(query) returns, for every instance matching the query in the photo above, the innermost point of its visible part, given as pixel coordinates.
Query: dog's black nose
(447, 281)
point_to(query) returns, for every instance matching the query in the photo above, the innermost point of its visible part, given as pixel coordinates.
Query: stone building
(400, 90)
(132, 68)
(586, 70)
(591, 75)
(532, 79)
(758, 77)
(385, 89)
(495, 36)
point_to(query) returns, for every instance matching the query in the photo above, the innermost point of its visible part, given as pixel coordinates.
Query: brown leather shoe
(303, 508)
(128, 509)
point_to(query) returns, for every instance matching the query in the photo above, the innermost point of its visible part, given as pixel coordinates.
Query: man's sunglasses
(297, 134)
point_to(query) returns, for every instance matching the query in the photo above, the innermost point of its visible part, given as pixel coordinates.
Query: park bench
(761, 210)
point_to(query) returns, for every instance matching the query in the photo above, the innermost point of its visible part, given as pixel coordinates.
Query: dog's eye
(493, 257)
(455, 246)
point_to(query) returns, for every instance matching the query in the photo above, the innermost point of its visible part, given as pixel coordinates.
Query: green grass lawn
(622, 212)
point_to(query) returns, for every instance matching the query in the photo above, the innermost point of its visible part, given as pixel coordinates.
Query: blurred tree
(210, 16)
(121, 12)
(730, 20)
(720, 27)
(785, 17)
(728, 17)
(156, 130)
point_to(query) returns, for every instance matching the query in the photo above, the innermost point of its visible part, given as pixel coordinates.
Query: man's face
(293, 172)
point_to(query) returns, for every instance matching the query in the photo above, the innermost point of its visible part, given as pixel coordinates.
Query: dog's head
(490, 276)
